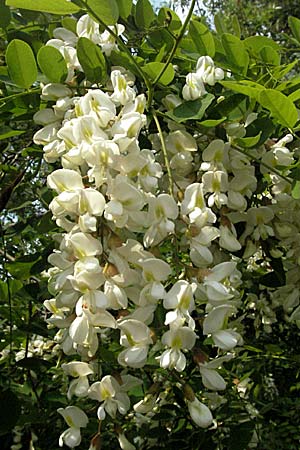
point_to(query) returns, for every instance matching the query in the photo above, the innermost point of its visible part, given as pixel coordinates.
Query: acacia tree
(171, 156)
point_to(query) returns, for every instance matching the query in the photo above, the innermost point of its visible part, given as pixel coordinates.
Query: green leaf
(294, 24)
(21, 268)
(5, 16)
(9, 412)
(280, 107)
(219, 23)
(296, 190)
(49, 6)
(169, 18)
(269, 55)
(281, 71)
(263, 125)
(7, 132)
(249, 88)
(154, 68)
(106, 10)
(144, 14)
(122, 59)
(52, 64)
(69, 23)
(271, 279)
(21, 63)
(236, 52)
(33, 363)
(252, 349)
(92, 60)
(248, 142)
(191, 110)
(236, 26)
(240, 436)
(13, 285)
(256, 43)
(234, 107)
(209, 123)
(202, 38)
(125, 7)
(294, 96)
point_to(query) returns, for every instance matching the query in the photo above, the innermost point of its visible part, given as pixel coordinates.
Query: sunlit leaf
(52, 64)
(49, 6)
(154, 68)
(21, 63)
(92, 60)
(191, 110)
(202, 38)
(105, 10)
(280, 107)
(236, 52)
(294, 24)
(125, 7)
(245, 87)
(144, 14)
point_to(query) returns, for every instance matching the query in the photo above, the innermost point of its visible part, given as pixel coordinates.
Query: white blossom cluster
(110, 201)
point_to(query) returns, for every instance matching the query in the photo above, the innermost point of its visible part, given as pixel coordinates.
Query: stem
(244, 152)
(123, 47)
(164, 150)
(176, 43)
(20, 94)
(9, 297)
(270, 168)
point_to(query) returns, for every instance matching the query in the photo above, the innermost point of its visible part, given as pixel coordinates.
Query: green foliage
(236, 53)
(21, 63)
(107, 10)
(52, 64)
(191, 110)
(33, 387)
(49, 6)
(281, 107)
(202, 38)
(144, 14)
(92, 60)
(153, 69)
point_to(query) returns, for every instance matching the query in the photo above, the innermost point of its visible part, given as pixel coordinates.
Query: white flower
(193, 88)
(123, 93)
(107, 41)
(180, 141)
(54, 91)
(124, 443)
(79, 370)
(207, 71)
(109, 392)
(97, 104)
(76, 419)
(83, 245)
(200, 413)
(161, 209)
(136, 337)
(180, 298)
(177, 338)
(88, 28)
(215, 319)
(228, 238)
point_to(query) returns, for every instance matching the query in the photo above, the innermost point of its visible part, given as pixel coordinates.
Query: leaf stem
(19, 94)
(267, 166)
(164, 151)
(176, 43)
(123, 47)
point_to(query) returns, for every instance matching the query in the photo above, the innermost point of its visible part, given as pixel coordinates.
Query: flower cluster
(153, 221)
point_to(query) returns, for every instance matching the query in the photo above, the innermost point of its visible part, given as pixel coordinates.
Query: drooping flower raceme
(154, 230)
